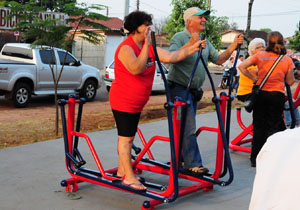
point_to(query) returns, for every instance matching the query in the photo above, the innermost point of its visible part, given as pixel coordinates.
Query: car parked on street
(158, 83)
(26, 71)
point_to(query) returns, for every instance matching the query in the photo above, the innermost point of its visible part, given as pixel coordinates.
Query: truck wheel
(21, 95)
(89, 90)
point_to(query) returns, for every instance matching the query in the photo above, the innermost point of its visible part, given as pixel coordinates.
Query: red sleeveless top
(128, 92)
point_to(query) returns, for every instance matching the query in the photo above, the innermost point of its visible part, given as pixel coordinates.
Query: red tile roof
(113, 23)
(252, 34)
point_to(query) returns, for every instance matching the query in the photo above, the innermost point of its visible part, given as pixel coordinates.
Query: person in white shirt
(277, 171)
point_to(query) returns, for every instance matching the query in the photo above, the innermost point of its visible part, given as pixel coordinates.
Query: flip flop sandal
(141, 179)
(133, 188)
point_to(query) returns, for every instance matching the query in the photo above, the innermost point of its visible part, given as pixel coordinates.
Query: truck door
(71, 75)
(45, 81)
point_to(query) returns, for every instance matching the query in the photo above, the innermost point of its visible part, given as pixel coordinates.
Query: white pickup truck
(25, 71)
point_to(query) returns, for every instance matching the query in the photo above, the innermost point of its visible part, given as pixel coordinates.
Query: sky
(278, 15)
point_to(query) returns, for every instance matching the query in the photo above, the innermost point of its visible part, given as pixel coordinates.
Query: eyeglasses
(148, 24)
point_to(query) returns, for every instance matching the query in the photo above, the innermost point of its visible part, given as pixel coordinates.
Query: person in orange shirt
(245, 84)
(267, 111)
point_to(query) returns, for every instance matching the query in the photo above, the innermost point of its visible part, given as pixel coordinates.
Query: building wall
(98, 56)
(229, 37)
(112, 42)
(89, 53)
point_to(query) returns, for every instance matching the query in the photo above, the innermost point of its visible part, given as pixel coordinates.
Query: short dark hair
(276, 43)
(136, 19)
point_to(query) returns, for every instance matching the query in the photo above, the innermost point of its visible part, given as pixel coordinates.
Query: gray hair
(185, 22)
(253, 44)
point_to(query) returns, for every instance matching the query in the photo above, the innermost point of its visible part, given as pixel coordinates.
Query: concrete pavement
(30, 175)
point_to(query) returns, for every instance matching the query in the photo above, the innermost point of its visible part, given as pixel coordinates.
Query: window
(47, 56)
(17, 52)
(70, 60)
(163, 67)
(112, 66)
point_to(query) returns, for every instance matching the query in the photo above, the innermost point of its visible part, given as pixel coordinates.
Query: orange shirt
(130, 93)
(264, 61)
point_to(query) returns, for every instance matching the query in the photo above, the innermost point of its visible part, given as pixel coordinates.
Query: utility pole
(107, 11)
(209, 4)
(126, 11)
(137, 4)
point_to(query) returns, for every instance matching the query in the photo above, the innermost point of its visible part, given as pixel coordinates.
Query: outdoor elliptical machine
(238, 142)
(156, 192)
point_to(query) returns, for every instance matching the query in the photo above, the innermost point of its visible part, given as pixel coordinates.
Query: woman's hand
(255, 79)
(147, 35)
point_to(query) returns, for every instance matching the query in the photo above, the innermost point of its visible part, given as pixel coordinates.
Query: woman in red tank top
(130, 91)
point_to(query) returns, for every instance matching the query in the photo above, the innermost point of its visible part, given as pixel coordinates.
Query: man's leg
(190, 149)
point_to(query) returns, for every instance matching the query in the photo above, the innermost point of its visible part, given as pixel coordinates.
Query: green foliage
(295, 41)
(234, 26)
(50, 31)
(49, 5)
(268, 30)
(214, 25)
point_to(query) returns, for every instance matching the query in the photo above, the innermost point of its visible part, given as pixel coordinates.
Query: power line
(295, 12)
(154, 7)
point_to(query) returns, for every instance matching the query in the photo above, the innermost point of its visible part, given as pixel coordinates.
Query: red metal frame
(236, 143)
(219, 153)
(105, 178)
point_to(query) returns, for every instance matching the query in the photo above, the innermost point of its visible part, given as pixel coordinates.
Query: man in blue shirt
(178, 78)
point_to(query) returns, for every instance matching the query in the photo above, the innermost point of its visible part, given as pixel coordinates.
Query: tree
(52, 33)
(159, 26)
(295, 41)
(49, 5)
(214, 25)
(268, 30)
(248, 21)
(234, 25)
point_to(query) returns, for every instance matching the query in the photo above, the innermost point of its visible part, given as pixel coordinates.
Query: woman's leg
(259, 127)
(275, 121)
(125, 167)
(127, 127)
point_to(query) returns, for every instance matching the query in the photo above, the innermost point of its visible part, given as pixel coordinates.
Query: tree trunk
(249, 18)
(248, 21)
(56, 113)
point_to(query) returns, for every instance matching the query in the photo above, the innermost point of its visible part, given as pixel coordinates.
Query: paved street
(31, 174)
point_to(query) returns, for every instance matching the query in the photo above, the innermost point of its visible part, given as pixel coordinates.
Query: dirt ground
(37, 122)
